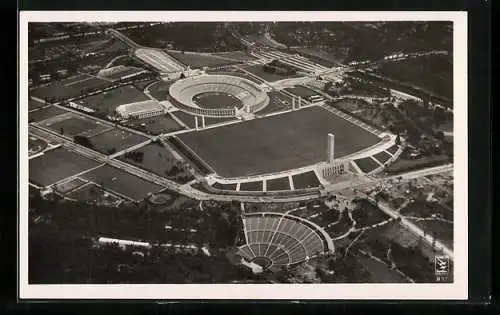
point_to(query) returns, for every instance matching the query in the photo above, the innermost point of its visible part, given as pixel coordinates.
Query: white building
(139, 110)
(122, 243)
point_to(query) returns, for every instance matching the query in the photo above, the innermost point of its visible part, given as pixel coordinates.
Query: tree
(398, 140)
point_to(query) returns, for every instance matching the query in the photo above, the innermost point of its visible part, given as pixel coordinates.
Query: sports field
(116, 180)
(156, 125)
(258, 70)
(70, 87)
(277, 102)
(276, 143)
(217, 100)
(72, 125)
(32, 104)
(56, 165)
(301, 91)
(44, 113)
(106, 102)
(197, 60)
(116, 139)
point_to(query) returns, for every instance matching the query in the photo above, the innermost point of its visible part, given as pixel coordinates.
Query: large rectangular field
(56, 165)
(71, 124)
(276, 143)
(121, 182)
(69, 88)
(45, 113)
(107, 101)
(116, 139)
(258, 70)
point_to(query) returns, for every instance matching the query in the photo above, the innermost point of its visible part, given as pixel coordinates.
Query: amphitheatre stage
(276, 143)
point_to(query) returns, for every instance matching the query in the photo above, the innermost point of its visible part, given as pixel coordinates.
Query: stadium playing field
(276, 143)
(217, 100)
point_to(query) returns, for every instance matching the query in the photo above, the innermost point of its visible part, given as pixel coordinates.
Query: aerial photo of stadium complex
(243, 152)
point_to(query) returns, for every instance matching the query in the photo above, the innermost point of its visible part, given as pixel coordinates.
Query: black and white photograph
(260, 156)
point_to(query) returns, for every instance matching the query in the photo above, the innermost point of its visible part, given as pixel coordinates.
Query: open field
(277, 102)
(367, 164)
(276, 143)
(69, 88)
(281, 183)
(195, 60)
(382, 156)
(305, 180)
(35, 145)
(116, 180)
(258, 70)
(434, 73)
(69, 185)
(117, 139)
(379, 272)
(443, 231)
(159, 90)
(251, 186)
(106, 102)
(225, 186)
(44, 113)
(155, 125)
(32, 104)
(56, 165)
(73, 125)
(237, 73)
(92, 192)
(239, 55)
(159, 160)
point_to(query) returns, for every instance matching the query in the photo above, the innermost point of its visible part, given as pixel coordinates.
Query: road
(123, 38)
(412, 227)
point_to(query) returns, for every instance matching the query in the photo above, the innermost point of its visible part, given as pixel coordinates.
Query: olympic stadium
(249, 96)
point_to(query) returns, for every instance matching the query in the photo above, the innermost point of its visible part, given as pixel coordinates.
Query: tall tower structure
(331, 148)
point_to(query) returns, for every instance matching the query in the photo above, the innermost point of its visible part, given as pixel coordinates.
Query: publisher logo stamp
(441, 268)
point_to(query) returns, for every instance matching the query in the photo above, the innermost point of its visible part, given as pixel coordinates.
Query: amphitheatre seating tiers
(281, 239)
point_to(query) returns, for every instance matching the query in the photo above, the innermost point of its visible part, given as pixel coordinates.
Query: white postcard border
(455, 291)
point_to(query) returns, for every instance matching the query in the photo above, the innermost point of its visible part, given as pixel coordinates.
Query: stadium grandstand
(249, 93)
(275, 240)
(140, 110)
(159, 60)
(120, 72)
